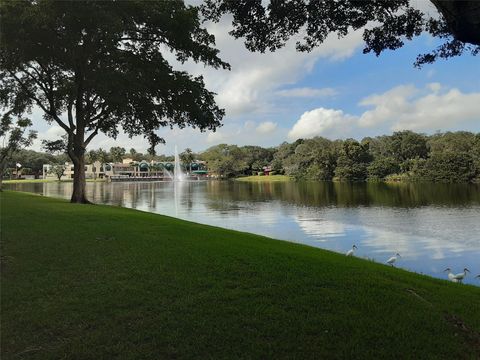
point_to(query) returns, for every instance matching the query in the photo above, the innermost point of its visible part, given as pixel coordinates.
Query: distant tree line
(404, 155)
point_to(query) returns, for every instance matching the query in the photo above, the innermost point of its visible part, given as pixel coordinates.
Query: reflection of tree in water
(187, 190)
(424, 194)
(234, 196)
(223, 195)
(138, 194)
(107, 193)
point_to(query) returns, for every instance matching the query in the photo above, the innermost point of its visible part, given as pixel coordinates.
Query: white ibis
(392, 260)
(350, 252)
(451, 276)
(460, 276)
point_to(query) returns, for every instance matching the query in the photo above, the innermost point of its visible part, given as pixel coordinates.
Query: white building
(125, 169)
(92, 171)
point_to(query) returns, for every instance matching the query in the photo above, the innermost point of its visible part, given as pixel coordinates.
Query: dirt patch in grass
(472, 337)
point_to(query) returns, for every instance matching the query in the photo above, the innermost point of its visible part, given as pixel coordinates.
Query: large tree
(99, 66)
(386, 23)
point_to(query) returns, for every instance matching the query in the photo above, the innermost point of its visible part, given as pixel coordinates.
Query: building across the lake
(128, 169)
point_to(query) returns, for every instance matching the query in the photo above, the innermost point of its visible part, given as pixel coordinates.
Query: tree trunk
(78, 195)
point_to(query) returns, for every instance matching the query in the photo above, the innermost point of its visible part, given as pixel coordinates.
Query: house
(267, 170)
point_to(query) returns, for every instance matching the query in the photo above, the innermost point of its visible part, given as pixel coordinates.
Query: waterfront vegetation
(263, 178)
(403, 156)
(106, 282)
(452, 157)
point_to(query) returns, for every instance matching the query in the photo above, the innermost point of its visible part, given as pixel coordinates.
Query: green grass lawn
(100, 282)
(256, 178)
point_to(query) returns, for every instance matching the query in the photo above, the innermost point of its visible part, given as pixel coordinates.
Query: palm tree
(187, 157)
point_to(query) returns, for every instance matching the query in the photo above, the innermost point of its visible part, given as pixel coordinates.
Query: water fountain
(169, 174)
(178, 174)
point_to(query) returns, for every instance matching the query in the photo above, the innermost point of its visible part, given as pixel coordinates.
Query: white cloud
(139, 143)
(386, 105)
(251, 85)
(321, 121)
(54, 132)
(249, 125)
(307, 92)
(433, 108)
(440, 111)
(426, 7)
(215, 137)
(248, 133)
(434, 87)
(266, 127)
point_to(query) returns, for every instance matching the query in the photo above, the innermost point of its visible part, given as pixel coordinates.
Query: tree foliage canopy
(386, 23)
(403, 155)
(13, 137)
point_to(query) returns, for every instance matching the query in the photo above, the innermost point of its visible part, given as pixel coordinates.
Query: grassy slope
(256, 178)
(133, 285)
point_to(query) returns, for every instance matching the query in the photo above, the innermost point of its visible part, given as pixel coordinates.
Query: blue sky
(335, 91)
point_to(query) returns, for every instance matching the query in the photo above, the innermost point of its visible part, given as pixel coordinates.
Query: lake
(432, 226)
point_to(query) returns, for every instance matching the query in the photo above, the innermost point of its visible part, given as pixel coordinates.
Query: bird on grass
(451, 276)
(392, 260)
(350, 252)
(457, 277)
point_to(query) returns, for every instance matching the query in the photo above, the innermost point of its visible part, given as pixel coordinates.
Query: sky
(335, 91)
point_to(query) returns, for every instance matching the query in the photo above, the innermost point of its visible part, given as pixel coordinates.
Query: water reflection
(432, 226)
